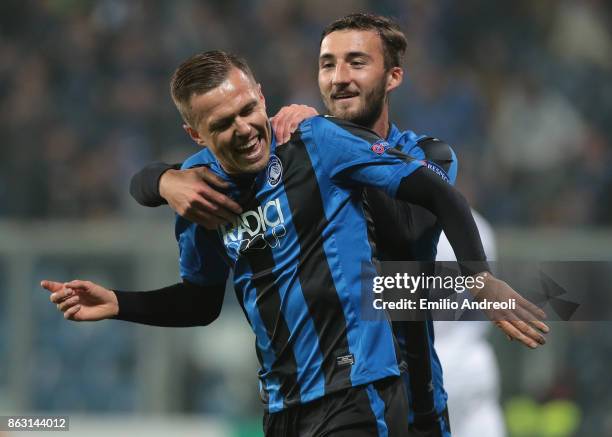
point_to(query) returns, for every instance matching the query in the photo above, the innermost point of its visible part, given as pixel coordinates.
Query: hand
(523, 323)
(82, 300)
(190, 194)
(286, 121)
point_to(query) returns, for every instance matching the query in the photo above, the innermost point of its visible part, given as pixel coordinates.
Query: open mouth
(252, 149)
(344, 96)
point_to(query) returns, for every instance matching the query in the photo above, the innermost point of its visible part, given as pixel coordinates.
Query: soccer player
(298, 254)
(359, 65)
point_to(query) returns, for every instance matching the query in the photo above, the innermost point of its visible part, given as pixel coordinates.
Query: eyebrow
(214, 125)
(354, 54)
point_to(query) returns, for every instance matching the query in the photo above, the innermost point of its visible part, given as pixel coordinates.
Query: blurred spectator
(580, 33)
(535, 129)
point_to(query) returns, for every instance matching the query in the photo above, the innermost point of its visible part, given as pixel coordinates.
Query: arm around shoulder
(144, 186)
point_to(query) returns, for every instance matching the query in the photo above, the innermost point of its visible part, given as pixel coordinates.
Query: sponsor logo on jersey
(255, 229)
(345, 360)
(274, 171)
(437, 170)
(379, 147)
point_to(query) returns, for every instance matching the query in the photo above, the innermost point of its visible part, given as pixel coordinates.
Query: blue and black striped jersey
(298, 253)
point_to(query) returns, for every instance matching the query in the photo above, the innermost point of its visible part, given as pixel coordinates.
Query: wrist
(482, 280)
(114, 305)
(162, 183)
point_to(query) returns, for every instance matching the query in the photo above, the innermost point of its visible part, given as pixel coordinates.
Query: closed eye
(221, 125)
(248, 109)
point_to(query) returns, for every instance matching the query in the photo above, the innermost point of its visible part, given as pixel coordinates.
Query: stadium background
(521, 89)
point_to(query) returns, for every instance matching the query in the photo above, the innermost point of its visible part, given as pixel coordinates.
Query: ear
(194, 135)
(395, 77)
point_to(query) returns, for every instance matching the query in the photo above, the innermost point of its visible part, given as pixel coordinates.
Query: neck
(381, 125)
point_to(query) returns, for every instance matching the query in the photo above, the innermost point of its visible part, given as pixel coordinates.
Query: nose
(243, 129)
(341, 74)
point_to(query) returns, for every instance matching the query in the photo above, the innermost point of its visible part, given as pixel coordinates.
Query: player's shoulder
(329, 125)
(202, 157)
(437, 153)
(404, 140)
(431, 147)
(436, 149)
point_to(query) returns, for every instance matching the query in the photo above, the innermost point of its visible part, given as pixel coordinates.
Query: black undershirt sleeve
(179, 305)
(428, 190)
(144, 186)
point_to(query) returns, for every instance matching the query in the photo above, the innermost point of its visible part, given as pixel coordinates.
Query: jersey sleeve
(201, 258)
(438, 155)
(351, 154)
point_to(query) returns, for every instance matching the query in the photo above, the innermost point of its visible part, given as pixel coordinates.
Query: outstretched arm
(179, 305)
(428, 190)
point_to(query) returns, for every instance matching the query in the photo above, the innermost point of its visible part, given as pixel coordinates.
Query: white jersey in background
(471, 376)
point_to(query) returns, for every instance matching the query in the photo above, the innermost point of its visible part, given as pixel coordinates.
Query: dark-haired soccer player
(359, 65)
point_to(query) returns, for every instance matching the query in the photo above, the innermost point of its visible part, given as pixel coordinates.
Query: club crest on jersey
(274, 172)
(379, 147)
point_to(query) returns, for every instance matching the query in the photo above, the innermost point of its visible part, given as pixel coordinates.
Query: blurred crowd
(521, 90)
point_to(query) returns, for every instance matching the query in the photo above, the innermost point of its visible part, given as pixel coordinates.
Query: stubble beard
(367, 114)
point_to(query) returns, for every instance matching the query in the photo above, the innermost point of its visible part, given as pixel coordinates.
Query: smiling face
(353, 79)
(231, 120)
